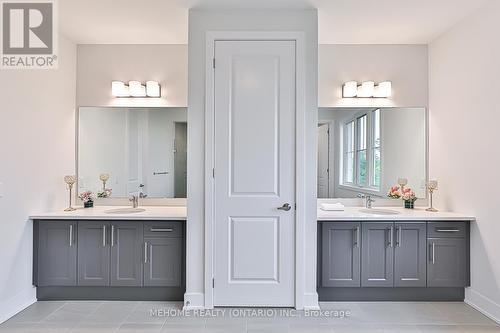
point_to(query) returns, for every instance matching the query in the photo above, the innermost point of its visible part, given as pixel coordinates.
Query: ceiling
(340, 21)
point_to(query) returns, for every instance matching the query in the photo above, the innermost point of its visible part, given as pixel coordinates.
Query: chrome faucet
(368, 200)
(135, 201)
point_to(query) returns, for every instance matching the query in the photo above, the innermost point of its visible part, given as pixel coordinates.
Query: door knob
(286, 207)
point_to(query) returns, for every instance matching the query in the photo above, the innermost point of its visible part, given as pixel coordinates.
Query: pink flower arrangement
(394, 192)
(86, 196)
(408, 195)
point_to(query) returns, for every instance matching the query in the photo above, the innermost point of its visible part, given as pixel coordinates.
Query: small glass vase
(88, 204)
(409, 204)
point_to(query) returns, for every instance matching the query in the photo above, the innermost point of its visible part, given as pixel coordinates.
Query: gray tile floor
(96, 317)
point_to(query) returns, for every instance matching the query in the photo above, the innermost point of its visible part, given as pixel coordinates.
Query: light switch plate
(1, 190)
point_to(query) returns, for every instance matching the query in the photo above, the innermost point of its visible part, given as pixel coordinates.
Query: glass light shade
(383, 89)
(119, 89)
(136, 89)
(366, 89)
(152, 89)
(350, 89)
(104, 177)
(432, 185)
(70, 179)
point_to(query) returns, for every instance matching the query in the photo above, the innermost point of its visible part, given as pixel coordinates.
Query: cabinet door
(410, 255)
(446, 262)
(377, 259)
(57, 253)
(162, 262)
(126, 253)
(93, 254)
(341, 254)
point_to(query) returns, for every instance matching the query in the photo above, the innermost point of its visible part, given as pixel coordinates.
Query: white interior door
(323, 161)
(254, 173)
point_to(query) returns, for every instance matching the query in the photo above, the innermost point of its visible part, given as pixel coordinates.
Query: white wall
(464, 153)
(37, 122)
(272, 20)
(98, 65)
(405, 65)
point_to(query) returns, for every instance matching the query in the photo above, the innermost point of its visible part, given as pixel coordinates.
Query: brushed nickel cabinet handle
(161, 229)
(145, 252)
(70, 235)
(400, 236)
(447, 230)
(356, 239)
(104, 236)
(112, 235)
(433, 253)
(391, 236)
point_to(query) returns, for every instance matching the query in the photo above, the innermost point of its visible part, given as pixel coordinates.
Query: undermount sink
(124, 210)
(377, 211)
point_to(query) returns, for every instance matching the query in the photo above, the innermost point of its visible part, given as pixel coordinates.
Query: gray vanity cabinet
(447, 255)
(162, 262)
(377, 259)
(410, 255)
(56, 253)
(341, 254)
(93, 254)
(126, 240)
(446, 262)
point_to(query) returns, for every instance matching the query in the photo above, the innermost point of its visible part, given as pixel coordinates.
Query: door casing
(300, 157)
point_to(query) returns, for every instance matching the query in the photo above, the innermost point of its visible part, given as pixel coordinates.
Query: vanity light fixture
(367, 89)
(135, 89)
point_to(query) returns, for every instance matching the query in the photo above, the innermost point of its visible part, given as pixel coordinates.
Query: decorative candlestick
(104, 177)
(70, 180)
(432, 185)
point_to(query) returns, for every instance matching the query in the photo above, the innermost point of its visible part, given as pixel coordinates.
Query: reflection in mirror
(366, 150)
(141, 150)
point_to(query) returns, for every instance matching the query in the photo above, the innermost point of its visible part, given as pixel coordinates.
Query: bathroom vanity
(95, 254)
(413, 255)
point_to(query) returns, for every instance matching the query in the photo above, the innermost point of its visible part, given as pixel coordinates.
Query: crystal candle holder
(70, 180)
(432, 185)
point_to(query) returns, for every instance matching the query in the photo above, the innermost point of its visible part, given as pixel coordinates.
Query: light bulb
(350, 89)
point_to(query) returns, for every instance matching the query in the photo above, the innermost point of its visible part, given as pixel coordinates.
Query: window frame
(368, 187)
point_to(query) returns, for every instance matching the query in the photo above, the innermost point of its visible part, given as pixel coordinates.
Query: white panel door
(254, 173)
(323, 161)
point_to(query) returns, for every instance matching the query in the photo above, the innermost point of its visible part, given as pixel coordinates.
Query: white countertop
(417, 214)
(152, 213)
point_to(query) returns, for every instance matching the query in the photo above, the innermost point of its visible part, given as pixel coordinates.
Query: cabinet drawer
(163, 229)
(446, 229)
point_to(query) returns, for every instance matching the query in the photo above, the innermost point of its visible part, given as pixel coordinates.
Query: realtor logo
(28, 34)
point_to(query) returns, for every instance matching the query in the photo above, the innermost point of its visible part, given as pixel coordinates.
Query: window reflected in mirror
(366, 150)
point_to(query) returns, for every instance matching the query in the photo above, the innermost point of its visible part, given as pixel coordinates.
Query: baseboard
(194, 301)
(14, 305)
(311, 301)
(483, 304)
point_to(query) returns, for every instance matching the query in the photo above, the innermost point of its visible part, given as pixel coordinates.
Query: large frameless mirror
(132, 151)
